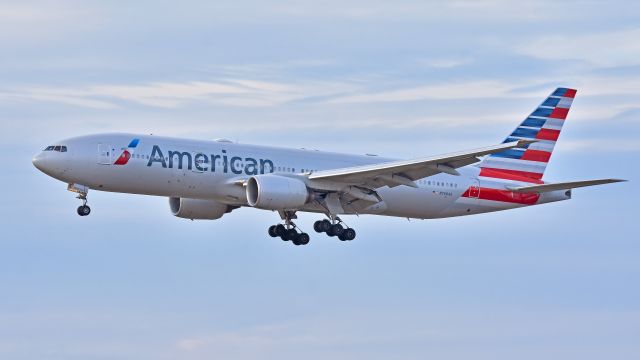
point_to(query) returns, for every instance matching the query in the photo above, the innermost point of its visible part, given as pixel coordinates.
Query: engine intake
(275, 192)
(198, 209)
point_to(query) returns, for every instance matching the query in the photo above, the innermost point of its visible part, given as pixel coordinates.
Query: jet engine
(275, 192)
(198, 209)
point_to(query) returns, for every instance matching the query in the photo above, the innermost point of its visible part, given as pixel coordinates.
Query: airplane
(208, 179)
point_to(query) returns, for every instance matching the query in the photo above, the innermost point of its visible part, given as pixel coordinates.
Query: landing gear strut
(84, 209)
(334, 227)
(289, 231)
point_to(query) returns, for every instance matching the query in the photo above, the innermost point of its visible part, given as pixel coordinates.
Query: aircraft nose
(48, 164)
(39, 162)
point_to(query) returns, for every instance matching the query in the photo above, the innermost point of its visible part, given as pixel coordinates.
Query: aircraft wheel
(272, 231)
(84, 210)
(348, 234)
(318, 226)
(336, 230)
(291, 234)
(302, 239)
(325, 225)
(280, 230)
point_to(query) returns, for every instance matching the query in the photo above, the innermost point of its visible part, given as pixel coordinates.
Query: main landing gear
(334, 228)
(289, 231)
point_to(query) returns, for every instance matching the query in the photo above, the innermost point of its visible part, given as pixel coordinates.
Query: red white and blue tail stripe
(527, 164)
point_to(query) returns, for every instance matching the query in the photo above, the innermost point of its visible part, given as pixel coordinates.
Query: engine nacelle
(197, 209)
(275, 192)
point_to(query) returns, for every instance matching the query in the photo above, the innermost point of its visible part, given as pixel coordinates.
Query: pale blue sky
(410, 79)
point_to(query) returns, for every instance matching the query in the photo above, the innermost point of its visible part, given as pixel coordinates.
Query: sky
(402, 79)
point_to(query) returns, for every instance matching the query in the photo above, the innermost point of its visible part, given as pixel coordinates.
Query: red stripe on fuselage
(123, 159)
(505, 196)
(515, 175)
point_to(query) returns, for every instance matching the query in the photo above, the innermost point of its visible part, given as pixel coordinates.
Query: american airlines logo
(123, 159)
(210, 162)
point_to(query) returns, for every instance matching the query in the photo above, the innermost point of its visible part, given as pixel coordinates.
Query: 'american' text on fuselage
(204, 162)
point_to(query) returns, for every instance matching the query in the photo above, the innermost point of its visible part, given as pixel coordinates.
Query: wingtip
(524, 142)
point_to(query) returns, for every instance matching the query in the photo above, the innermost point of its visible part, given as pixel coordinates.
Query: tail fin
(529, 162)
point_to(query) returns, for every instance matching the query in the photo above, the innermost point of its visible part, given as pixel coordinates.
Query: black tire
(84, 210)
(302, 239)
(280, 230)
(349, 234)
(342, 237)
(326, 225)
(318, 226)
(337, 229)
(291, 234)
(272, 231)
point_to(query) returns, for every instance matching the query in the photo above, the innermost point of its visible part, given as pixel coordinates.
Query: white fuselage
(215, 170)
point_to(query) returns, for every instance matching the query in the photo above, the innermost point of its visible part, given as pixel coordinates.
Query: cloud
(613, 48)
(359, 335)
(233, 92)
(604, 145)
(444, 63)
(459, 90)
(39, 20)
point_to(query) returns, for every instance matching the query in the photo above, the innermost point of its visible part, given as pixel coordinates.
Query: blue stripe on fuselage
(134, 143)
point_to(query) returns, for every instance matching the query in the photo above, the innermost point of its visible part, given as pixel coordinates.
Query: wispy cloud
(459, 90)
(444, 63)
(233, 92)
(40, 20)
(609, 48)
(366, 336)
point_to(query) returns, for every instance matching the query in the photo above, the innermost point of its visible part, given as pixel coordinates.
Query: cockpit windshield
(58, 148)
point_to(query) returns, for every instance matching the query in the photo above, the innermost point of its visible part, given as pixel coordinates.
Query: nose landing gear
(84, 209)
(82, 191)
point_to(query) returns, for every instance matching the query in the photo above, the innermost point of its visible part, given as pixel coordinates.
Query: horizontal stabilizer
(404, 172)
(561, 186)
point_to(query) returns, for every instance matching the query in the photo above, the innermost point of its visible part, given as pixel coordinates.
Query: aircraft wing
(562, 186)
(404, 172)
